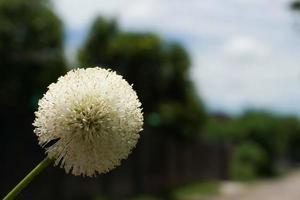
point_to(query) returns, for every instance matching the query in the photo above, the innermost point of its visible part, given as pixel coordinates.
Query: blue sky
(245, 53)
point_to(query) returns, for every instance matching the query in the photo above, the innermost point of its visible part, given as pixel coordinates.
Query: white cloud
(244, 52)
(232, 83)
(245, 48)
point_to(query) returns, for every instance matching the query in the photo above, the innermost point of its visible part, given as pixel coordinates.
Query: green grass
(198, 189)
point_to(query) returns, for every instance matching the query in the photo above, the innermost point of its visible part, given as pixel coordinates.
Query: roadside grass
(196, 190)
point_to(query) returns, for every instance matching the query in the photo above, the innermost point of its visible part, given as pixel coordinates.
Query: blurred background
(218, 80)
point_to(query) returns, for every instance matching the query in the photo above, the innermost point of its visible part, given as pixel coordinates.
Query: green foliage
(292, 125)
(247, 160)
(295, 5)
(224, 128)
(94, 51)
(269, 134)
(196, 190)
(267, 130)
(31, 57)
(158, 70)
(31, 54)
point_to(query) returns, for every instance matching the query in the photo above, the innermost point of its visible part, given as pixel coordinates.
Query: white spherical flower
(95, 118)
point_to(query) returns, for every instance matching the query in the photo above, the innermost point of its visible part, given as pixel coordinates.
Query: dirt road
(286, 188)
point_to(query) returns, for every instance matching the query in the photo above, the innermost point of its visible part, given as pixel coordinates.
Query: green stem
(25, 181)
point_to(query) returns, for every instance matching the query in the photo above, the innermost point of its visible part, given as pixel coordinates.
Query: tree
(295, 5)
(31, 57)
(158, 70)
(159, 73)
(30, 50)
(257, 135)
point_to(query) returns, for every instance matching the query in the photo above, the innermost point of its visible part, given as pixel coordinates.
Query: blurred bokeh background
(218, 80)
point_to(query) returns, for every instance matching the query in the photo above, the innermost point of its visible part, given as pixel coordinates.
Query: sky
(245, 53)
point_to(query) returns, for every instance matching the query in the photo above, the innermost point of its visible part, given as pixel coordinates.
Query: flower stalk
(94, 116)
(27, 179)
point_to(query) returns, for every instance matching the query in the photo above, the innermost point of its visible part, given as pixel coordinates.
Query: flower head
(88, 121)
